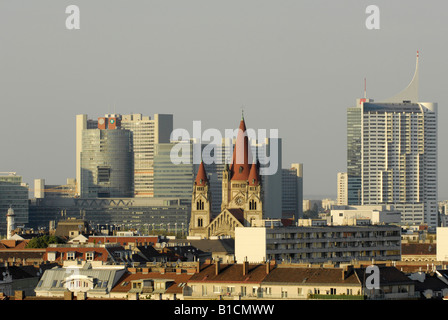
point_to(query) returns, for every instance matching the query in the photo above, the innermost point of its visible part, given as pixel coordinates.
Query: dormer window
(89, 256)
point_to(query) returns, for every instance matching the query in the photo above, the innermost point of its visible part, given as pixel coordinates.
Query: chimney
(217, 267)
(198, 266)
(19, 295)
(245, 268)
(270, 265)
(346, 270)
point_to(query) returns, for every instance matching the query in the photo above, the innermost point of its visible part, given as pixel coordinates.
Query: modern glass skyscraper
(292, 191)
(146, 133)
(392, 155)
(106, 164)
(13, 194)
(172, 180)
(354, 155)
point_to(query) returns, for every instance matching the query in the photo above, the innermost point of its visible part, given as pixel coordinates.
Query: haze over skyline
(295, 66)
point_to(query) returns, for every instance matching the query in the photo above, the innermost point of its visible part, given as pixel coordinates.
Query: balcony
(335, 297)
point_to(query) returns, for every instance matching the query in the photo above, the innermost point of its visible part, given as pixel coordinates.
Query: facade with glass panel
(106, 164)
(14, 194)
(392, 158)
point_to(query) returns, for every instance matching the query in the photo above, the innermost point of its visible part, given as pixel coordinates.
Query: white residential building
(317, 244)
(379, 214)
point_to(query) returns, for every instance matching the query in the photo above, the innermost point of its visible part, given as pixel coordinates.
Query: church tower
(200, 204)
(241, 188)
(254, 209)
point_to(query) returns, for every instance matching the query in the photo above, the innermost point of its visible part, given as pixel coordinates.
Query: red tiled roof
(13, 244)
(123, 239)
(230, 273)
(310, 276)
(418, 249)
(174, 288)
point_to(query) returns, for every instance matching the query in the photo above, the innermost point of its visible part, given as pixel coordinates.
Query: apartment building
(318, 244)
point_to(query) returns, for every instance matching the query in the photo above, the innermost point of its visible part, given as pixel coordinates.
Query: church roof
(238, 214)
(254, 178)
(240, 166)
(201, 177)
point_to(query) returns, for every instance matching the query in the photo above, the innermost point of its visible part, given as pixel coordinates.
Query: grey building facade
(107, 163)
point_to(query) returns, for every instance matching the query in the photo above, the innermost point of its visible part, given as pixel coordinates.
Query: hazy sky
(295, 66)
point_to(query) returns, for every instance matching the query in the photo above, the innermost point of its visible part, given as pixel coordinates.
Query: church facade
(241, 195)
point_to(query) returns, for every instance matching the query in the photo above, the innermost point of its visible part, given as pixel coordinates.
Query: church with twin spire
(241, 194)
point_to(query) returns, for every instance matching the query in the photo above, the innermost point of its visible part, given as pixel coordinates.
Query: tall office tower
(106, 160)
(269, 154)
(342, 188)
(392, 152)
(13, 194)
(292, 191)
(172, 180)
(146, 133)
(82, 123)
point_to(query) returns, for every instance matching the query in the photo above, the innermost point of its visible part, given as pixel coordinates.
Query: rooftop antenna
(365, 88)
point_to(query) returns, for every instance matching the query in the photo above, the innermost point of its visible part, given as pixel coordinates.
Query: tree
(43, 241)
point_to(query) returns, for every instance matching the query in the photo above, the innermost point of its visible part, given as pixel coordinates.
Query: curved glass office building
(107, 163)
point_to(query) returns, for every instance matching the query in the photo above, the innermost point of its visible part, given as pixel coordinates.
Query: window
(89, 256)
(216, 289)
(70, 256)
(243, 291)
(200, 205)
(103, 174)
(252, 205)
(51, 256)
(284, 293)
(200, 222)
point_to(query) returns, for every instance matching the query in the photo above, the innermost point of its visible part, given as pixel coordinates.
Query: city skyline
(289, 70)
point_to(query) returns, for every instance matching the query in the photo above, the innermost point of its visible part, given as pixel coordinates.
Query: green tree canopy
(43, 241)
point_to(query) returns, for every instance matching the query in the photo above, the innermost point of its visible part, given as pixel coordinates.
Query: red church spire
(254, 178)
(240, 166)
(201, 177)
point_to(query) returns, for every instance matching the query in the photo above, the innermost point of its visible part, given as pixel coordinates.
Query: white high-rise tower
(392, 154)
